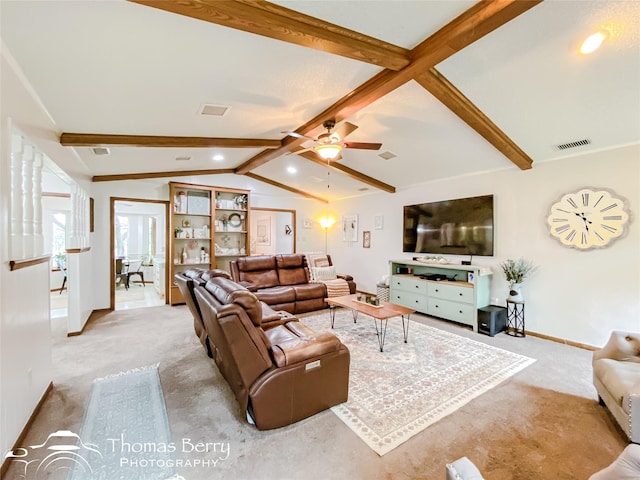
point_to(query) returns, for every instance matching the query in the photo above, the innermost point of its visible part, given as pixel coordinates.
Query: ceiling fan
(329, 144)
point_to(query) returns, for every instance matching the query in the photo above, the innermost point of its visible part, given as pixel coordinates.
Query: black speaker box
(492, 320)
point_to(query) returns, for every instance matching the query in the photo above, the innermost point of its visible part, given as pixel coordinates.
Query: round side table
(515, 318)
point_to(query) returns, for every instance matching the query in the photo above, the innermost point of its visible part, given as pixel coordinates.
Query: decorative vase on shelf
(515, 293)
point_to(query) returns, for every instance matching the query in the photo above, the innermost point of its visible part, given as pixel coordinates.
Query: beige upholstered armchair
(616, 376)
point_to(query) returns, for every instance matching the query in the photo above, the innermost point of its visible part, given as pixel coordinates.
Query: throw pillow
(321, 274)
(317, 260)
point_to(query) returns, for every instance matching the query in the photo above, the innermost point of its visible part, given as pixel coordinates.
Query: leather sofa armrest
(299, 350)
(344, 276)
(248, 285)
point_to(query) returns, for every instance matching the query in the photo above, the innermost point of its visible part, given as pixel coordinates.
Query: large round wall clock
(587, 218)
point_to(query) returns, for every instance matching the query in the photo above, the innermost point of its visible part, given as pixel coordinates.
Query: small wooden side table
(515, 318)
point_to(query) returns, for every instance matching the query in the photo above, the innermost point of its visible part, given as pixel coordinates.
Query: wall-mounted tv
(463, 226)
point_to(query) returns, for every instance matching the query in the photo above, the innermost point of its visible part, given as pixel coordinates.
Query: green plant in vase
(516, 272)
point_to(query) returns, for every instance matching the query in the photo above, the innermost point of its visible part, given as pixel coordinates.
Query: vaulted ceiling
(448, 87)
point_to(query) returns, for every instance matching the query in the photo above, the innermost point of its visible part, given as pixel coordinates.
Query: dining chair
(135, 268)
(121, 274)
(63, 271)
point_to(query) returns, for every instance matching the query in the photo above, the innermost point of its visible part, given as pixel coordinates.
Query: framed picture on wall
(350, 228)
(366, 239)
(263, 232)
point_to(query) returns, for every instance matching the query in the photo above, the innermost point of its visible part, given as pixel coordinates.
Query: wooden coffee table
(381, 313)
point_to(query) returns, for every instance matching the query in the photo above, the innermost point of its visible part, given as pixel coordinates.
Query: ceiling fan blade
(298, 135)
(345, 129)
(362, 145)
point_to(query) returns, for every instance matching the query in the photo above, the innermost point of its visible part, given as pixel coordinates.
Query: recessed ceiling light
(291, 169)
(593, 42)
(218, 157)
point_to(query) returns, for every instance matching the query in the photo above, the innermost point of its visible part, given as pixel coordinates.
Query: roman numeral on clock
(556, 220)
(584, 238)
(609, 207)
(571, 236)
(563, 228)
(572, 203)
(596, 204)
(609, 228)
(585, 199)
(612, 217)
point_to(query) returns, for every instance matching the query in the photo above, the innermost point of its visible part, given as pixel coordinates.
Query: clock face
(587, 219)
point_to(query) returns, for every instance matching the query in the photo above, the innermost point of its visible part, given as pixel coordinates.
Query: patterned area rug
(125, 430)
(395, 394)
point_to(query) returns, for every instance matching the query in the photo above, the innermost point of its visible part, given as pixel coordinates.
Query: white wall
(574, 295)
(25, 329)
(25, 332)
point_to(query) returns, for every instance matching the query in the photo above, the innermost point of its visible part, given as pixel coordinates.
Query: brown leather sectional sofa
(282, 281)
(279, 370)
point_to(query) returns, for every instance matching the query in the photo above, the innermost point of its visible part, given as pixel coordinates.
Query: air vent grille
(577, 143)
(387, 155)
(100, 151)
(214, 110)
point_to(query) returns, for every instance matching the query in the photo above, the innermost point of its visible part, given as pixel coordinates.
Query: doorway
(272, 231)
(138, 251)
(56, 210)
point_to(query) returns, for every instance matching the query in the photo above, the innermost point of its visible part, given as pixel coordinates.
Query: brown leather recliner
(282, 281)
(279, 375)
(186, 281)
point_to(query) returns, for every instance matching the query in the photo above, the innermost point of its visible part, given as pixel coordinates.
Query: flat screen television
(463, 226)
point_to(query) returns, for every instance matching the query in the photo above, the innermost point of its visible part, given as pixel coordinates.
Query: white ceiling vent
(577, 143)
(387, 155)
(183, 159)
(214, 110)
(100, 151)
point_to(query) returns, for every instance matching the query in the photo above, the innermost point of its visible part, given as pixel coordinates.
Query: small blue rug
(125, 430)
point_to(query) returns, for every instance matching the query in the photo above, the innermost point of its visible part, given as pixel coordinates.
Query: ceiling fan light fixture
(328, 152)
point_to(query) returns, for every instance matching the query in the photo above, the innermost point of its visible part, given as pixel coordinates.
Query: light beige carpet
(543, 423)
(396, 394)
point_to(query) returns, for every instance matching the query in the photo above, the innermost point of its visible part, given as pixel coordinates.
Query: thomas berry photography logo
(62, 451)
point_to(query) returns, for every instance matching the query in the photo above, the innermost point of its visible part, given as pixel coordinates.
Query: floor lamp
(326, 223)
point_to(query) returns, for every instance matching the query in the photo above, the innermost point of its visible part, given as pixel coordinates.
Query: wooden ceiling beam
(434, 82)
(482, 18)
(285, 187)
(176, 173)
(280, 23)
(350, 172)
(105, 140)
